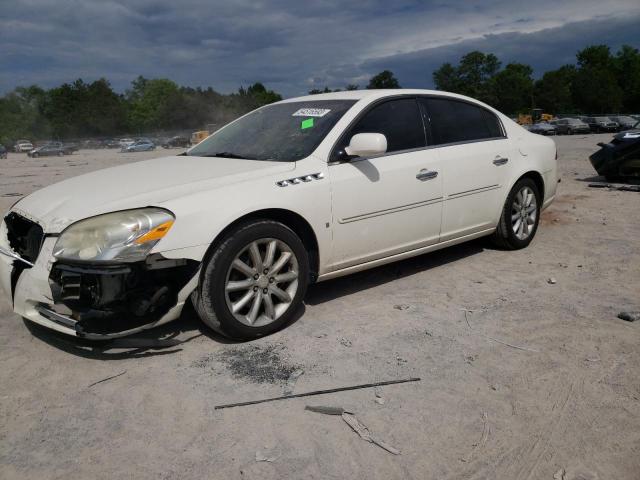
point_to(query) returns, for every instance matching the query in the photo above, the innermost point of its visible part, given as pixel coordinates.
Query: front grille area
(25, 237)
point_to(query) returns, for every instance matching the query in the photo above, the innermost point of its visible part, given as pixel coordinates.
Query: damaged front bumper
(93, 300)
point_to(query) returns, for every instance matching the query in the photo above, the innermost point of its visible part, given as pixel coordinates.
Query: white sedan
(300, 191)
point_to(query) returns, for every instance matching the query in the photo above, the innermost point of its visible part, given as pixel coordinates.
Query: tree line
(599, 82)
(83, 110)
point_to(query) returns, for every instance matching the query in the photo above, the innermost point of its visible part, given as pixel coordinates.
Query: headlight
(125, 236)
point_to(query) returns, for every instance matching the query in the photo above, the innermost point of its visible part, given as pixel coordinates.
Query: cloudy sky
(290, 45)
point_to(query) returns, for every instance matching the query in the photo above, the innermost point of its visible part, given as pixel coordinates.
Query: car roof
(374, 93)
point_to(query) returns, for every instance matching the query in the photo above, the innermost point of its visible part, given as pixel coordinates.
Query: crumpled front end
(90, 300)
(620, 157)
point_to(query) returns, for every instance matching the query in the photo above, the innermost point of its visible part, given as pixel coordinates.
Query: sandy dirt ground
(538, 380)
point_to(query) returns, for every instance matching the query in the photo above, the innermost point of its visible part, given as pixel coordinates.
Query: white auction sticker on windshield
(311, 112)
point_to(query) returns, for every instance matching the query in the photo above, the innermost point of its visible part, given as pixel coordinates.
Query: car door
(477, 159)
(390, 203)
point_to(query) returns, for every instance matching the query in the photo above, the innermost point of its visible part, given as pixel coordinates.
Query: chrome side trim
(472, 192)
(387, 211)
(15, 256)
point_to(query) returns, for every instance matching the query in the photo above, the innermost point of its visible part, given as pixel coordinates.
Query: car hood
(147, 183)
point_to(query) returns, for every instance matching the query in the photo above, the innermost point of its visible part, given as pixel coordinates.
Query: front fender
(202, 216)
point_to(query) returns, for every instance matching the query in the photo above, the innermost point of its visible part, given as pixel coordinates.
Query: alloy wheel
(524, 212)
(262, 282)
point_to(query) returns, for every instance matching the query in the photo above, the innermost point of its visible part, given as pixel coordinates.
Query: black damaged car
(621, 157)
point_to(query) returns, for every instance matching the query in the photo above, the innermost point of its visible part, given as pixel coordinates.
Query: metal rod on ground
(317, 392)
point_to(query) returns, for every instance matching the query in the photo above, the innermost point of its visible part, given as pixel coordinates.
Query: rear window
(456, 121)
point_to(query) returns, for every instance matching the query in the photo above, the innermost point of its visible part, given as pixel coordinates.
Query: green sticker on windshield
(308, 123)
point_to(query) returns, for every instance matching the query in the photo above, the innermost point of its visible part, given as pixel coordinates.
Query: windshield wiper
(228, 155)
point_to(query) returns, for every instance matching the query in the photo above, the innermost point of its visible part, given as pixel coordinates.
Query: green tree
(20, 115)
(513, 87)
(473, 76)
(627, 70)
(595, 88)
(384, 79)
(155, 104)
(552, 92)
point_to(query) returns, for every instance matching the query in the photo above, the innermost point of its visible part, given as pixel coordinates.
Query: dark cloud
(291, 46)
(544, 50)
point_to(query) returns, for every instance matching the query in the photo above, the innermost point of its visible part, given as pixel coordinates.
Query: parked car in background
(177, 142)
(601, 124)
(569, 126)
(139, 146)
(125, 142)
(296, 192)
(625, 122)
(542, 128)
(47, 150)
(3, 151)
(111, 143)
(92, 144)
(22, 146)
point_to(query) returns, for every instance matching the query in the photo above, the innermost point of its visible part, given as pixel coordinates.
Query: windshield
(603, 119)
(626, 120)
(283, 132)
(574, 121)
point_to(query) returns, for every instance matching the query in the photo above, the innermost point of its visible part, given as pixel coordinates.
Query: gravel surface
(522, 378)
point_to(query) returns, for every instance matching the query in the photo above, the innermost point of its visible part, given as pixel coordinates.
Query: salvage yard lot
(536, 377)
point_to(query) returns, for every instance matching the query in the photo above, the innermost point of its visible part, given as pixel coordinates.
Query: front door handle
(425, 174)
(500, 161)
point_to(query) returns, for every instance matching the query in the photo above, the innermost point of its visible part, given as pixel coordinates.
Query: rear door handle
(425, 174)
(500, 161)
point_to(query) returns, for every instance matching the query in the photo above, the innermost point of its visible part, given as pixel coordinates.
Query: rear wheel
(254, 281)
(520, 216)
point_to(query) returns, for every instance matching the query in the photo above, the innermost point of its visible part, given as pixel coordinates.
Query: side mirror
(366, 144)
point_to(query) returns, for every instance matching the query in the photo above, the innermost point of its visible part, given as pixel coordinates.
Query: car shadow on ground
(357, 282)
(169, 338)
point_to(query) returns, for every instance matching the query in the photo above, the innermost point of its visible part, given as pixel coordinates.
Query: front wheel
(520, 216)
(254, 281)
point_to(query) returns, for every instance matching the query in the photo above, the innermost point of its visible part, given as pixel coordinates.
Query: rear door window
(454, 121)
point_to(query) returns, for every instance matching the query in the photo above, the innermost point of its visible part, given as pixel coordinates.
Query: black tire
(210, 298)
(569, 132)
(35, 155)
(504, 236)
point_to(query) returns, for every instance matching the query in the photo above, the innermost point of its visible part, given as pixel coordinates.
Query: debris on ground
(345, 342)
(482, 441)
(377, 391)
(107, 379)
(326, 410)
(629, 316)
(559, 475)
(552, 281)
(317, 392)
(364, 433)
(257, 363)
(291, 382)
(267, 456)
(622, 188)
(401, 307)
(518, 347)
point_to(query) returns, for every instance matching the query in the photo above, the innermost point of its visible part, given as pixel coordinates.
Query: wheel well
(537, 178)
(292, 220)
